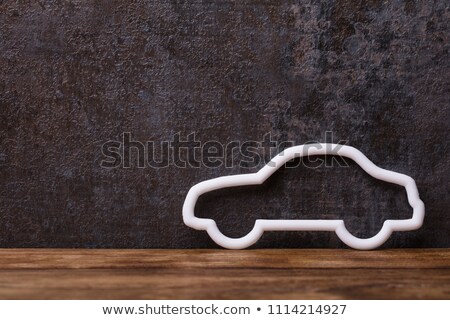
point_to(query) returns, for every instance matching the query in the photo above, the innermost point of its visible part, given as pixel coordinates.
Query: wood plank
(225, 284)
(224, 274)
(267, 258)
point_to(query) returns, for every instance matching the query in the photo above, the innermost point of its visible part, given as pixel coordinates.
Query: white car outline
(337, 226)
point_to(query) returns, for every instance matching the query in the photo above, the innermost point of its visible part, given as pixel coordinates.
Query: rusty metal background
(75, 74)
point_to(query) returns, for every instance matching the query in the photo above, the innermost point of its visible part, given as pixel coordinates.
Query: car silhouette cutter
(337, 226)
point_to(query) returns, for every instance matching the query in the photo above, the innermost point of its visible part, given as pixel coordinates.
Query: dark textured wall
(75, 74)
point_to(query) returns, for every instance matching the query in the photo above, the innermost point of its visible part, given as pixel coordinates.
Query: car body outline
(338, 226)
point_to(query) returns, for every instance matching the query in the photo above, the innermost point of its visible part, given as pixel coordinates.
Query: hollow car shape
(337, 226)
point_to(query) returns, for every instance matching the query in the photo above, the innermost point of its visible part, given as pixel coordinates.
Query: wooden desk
(224, 274)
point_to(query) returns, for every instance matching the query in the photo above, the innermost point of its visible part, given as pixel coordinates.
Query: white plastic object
(337, 226)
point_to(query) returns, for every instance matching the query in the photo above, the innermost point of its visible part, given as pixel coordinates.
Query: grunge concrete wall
(75, 74)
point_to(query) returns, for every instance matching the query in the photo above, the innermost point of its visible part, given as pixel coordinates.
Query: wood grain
(223, 274)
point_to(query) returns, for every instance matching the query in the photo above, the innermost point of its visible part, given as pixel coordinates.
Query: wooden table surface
(224, 274)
